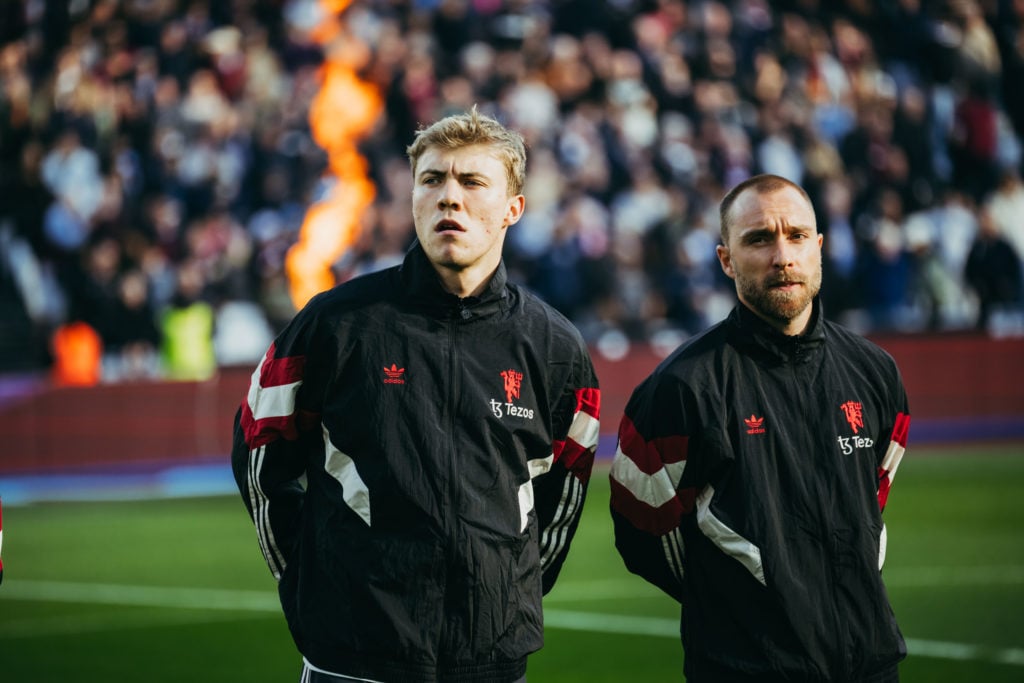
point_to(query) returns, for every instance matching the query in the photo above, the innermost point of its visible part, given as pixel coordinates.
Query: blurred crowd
(157, 160)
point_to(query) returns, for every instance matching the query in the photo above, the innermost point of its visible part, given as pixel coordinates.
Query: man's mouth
(448, 225)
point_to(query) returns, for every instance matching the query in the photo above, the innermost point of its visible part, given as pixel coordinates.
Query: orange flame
(343, 111)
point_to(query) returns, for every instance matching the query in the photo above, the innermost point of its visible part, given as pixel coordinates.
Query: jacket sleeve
(272, 434)
(560, 481)
(897, 430)
(647, 502)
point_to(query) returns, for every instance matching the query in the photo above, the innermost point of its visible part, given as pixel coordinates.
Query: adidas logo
(755, 425)
(394, 375)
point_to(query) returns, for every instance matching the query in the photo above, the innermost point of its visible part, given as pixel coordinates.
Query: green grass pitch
(176, 590)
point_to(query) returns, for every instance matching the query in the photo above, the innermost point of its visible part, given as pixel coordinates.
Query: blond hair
(473, 128)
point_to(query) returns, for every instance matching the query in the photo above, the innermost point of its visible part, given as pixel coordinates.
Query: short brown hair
(762, 184)
(474, 128)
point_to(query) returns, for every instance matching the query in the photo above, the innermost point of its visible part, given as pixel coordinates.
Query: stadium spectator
(884, 270)
(747, 444)
(133, 341)
(1006, 206)
(993, 271)
(396, 560)
(186, 328)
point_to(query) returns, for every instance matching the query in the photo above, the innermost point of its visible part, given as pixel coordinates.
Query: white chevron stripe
(883, 541)
(276, 401)
(585, 430)
(654, 489)
(893, 456)
(539, 466)
(353, 488)
(727, 540)
(525, 504)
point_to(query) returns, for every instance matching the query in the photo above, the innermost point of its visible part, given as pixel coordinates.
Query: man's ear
(725, 259)
(516, 205)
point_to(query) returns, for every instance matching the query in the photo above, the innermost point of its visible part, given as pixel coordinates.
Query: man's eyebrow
(762, 230)
(465, 175)
(759, 231)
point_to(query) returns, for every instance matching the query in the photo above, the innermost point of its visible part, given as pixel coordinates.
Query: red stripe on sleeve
(274, 372)
(575, 458)
(261, 432)
(651, 455)
(901, 429)
(588, 400)
(653, 520)
(278, 371)
(884, 484)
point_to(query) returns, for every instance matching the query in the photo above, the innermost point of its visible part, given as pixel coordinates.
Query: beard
(775, 304)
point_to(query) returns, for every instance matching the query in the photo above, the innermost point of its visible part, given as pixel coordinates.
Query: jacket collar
(754, 335)
(422, 286)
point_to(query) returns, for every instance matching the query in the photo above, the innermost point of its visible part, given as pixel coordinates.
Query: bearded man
(754, 464)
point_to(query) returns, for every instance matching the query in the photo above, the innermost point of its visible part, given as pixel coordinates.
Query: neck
(795, 327)
(466, 282)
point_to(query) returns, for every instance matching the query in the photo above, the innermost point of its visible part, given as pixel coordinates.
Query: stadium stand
(158, 155)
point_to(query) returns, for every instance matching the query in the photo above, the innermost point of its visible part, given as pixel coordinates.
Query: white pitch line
(930, 577)
(96, 622)
(896, 577)
(142, 596)
(266, 601)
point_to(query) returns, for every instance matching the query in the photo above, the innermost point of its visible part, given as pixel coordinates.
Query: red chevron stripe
(588, 400)
(649, 456)
(278, 371)
(574, 457)
(269, 429)
(901, 429)
(884, 485)
(654, 520)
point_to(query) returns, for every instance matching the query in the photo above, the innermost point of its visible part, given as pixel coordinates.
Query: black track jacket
(415, 466)
(749, 481)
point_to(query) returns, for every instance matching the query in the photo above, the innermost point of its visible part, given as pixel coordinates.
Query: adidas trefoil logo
(394, 375)
(755, 425)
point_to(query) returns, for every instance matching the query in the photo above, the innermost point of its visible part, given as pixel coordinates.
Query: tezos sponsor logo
(853, 411)
(513, 382)
(848, 444)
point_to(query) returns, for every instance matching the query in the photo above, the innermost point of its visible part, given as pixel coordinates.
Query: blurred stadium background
(178, 176)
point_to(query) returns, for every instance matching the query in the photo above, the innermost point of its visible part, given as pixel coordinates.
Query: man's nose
(451, 196)
(785, 253)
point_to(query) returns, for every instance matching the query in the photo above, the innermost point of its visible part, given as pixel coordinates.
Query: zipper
(800, 377)
(453, 402)
(834, 544)
(459, 315)
(449, 507)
